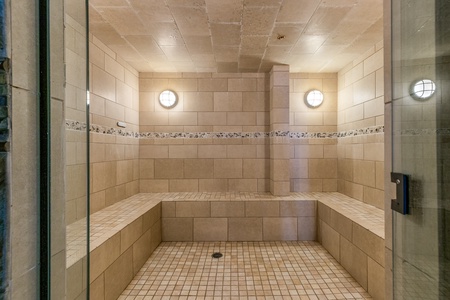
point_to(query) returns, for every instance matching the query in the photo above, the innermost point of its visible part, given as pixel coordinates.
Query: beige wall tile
(280, 229)
(330, 240)
(341, 224)
(212, 118)
(169, 168)
(354, 261)
(153, 151)
(299, 168)
(364, 172)
(97, 288)
(119, 275)
(368, 242)
(227, 209)
(307, 229)
(213, 185)
(241, 118)
(309, 151)
(306, 185)
(141, 251)
(177, 229)
(322, 168)
(303, 208)
(242, 185)
(198, 101)
(210, 229)
(245, 229)
(146, 168)
(183, 185)
(198, 168)
(227, 101)
(104, 255)
(130, 234)
(376, 280)
(212, 151)
(256, 168)
(188, 209)
(262, 209)
(183, 151)
(153, 186)
(228, 168)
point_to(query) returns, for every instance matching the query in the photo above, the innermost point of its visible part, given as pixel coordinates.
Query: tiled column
(279, 128)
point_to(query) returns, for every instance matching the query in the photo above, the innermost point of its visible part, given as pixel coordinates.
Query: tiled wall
(313, 163)
(229, 105)
(271, 220)
(23, 206)
(361, 106)
(114, 98)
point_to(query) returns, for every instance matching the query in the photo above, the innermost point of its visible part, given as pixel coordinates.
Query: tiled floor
(247, 270)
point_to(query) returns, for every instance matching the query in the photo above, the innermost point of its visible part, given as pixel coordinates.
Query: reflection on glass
(423, 89)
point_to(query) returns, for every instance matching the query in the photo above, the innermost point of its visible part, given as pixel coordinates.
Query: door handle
(401, 203)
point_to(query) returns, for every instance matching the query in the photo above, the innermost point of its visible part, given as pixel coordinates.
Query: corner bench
(353, 233)
(122, 238)
(124, 235)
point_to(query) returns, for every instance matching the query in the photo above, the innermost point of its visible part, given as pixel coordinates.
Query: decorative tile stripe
(80, 126)
(422, 132)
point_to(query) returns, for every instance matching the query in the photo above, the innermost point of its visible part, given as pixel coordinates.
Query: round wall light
(314, 98)
(422, 89)
(168, 99)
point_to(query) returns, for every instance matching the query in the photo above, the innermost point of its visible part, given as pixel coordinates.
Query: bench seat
(353, 233)
(123, 235)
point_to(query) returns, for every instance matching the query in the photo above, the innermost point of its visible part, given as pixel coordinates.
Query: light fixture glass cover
(422, 89)
(168, 99)
(314, 98)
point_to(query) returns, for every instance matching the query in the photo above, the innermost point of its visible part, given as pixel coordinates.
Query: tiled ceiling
(237, 35)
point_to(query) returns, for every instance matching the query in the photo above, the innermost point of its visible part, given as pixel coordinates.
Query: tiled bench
(353, 232)
(122, 238)
(125, 234)
(238, 217)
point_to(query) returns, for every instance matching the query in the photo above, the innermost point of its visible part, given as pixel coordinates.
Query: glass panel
(418, 144)
(76, 141)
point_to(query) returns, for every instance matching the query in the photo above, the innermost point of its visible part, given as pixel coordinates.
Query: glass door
(421, 147)
(64, 141)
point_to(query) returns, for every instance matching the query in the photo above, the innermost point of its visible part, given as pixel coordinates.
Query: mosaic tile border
(80, 126)
(422, 132)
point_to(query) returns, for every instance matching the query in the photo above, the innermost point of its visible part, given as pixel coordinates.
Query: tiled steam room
(240, 165)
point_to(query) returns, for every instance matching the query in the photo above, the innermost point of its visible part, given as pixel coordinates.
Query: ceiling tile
(125, 51)
(166, 34)
(108, 2)
(226, 54)
(308, 44)
(266, 3)
(191, 20)
(229, 11)
(144, 44)
(234, 35)
(326, 19)
(124, 20)
(106, 33)
(176, 53)
(151, 11)
(284, 35)
(258, 20)
(186, 2)
(297, 11)
(198, 44)
(226, 34)
(227, 67)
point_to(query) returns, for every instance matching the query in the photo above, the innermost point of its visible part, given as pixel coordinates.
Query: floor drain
(216, 255)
